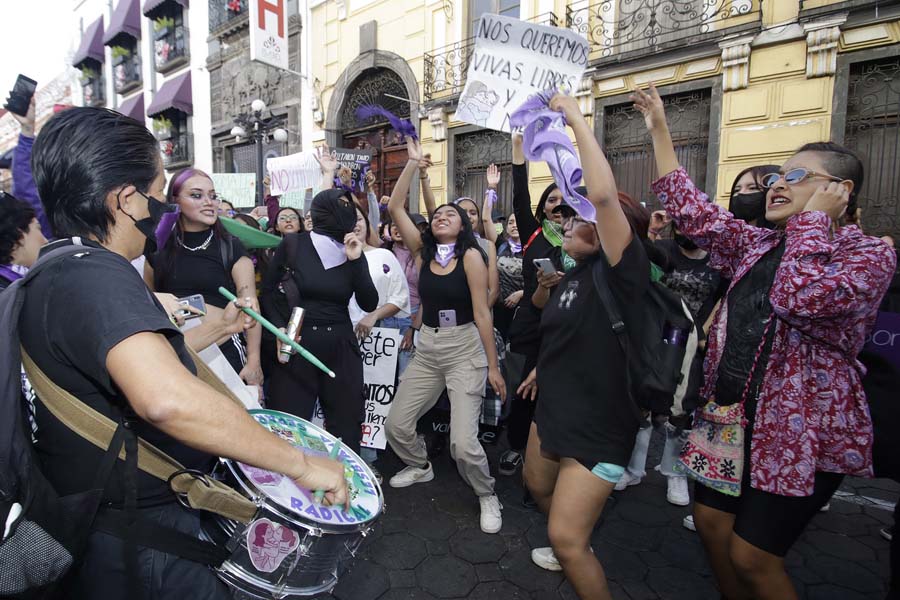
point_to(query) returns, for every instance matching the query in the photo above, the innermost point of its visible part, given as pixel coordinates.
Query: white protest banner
(237, 188)
(513, 59)
(379, 350)
(293, 173)
(268, 32)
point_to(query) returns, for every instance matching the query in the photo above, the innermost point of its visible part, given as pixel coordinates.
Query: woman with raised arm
(786, 417)
(455, 349)
(581, 439)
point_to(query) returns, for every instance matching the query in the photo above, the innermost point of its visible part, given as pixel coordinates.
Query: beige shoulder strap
(211, 379)
(206, 493)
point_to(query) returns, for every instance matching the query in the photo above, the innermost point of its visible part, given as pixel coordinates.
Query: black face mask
(748, 207)
(684, 241)
(148, 225)
(332, 216)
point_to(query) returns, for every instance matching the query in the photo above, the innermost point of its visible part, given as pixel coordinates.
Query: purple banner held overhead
(545, 138)
(885, 337)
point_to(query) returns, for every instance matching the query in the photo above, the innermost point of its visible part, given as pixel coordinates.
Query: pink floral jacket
(812, 413)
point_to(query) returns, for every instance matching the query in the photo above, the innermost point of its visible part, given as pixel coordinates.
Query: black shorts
(768, 521)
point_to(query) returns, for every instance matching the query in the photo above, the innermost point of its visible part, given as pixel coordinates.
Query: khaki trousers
(452, 358)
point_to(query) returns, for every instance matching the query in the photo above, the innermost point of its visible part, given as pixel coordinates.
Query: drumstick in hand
(335, 449)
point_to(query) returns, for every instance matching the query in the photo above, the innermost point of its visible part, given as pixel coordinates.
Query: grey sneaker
(510, 461)
(411, 475)
(545, 559)
(688, 523)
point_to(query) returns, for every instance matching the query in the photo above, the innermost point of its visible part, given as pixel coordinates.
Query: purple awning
(125, 20)
(175, 93)
(133, 107)
(91, 44)
(151, 5)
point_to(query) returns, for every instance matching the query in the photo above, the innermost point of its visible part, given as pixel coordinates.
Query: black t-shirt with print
(585, 411)
(75, 312)
(692, 279)
(198, 272)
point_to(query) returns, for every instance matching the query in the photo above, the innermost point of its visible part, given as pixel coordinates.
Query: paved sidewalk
(428, 545)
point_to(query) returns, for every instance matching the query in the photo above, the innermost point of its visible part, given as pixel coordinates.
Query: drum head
(366, 501)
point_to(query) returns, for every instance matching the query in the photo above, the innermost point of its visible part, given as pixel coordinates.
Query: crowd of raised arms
(548, 312)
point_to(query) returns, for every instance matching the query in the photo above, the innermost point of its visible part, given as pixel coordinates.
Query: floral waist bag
(713, 454)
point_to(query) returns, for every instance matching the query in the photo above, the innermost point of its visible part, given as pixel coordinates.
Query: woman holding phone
(455, 349)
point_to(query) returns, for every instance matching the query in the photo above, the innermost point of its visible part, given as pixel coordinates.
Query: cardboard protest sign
(359, 162)
(293, 173)
(380, 350)
(237, 188)
(513, 59)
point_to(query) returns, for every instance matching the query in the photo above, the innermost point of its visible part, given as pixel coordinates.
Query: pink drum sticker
(269, 544)
(261, 476)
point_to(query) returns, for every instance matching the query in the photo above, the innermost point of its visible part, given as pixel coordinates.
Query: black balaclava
(332, 217)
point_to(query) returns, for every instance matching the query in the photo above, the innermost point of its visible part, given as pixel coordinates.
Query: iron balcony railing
(93, 90)
(170, 48)
(225, 14)
(127, 73)
(176, 150)
(446, 68)
(625, 29)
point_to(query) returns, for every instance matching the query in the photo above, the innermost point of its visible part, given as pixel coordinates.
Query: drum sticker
(261, 476)
(269, 544)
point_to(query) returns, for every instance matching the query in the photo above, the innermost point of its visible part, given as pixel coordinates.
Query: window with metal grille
(473, 152)
(630, 153)
(873, 132)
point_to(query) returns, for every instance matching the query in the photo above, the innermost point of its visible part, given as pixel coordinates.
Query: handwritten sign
(359, 162)
(293, 173)
(237, 188)
(513, 59)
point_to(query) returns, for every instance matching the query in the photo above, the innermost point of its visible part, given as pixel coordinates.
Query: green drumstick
(335, 449)
(279, 334)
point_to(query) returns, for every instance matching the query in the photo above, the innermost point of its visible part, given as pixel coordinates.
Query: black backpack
(662, 377)
(43, 533)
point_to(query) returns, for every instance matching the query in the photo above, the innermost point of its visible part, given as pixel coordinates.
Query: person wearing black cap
(319, 271)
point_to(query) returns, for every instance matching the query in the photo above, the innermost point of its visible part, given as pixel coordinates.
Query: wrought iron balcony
(170, 48)
(624, 29)
(446, 68)
(177, 150)
(93, 89)
(226, 14)
(127, 73)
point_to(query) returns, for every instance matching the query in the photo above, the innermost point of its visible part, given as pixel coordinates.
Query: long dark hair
(167, 253)
(274, 226)
(757, 172)
(465, 240)
(479, 229)
(639, 218)
(368, 224)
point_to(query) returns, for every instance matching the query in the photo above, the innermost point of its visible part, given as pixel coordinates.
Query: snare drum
(293, 546)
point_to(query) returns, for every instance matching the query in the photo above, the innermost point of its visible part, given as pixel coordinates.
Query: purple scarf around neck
(545, 138)
(331, 253)
(514, 246)
(13, 272)
(444, 254)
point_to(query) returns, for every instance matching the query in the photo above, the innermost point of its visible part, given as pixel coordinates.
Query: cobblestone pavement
(428, 545)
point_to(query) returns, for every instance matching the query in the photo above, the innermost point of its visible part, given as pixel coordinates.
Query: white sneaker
(411, 475)
(826, 507)
(677, 490)
(491, 519)
(545, 559)
(626, 481)
(688, 523)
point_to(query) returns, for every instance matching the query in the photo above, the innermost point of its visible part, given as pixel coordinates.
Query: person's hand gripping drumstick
(326, 476)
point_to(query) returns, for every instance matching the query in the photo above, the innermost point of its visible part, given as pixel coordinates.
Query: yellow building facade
(745, 82)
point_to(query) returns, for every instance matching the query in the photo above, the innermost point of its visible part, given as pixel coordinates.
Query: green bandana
(553, 233)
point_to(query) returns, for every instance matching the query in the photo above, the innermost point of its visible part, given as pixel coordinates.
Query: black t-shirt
(324, 294)
(199, 272)
(585, 411)
(749, 310)
(693, 279)
(75, 312)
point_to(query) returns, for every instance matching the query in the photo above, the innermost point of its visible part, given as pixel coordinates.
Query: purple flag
(885, 337)
(545, 138)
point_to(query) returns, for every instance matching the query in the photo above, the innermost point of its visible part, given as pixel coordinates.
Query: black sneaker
(510, 461)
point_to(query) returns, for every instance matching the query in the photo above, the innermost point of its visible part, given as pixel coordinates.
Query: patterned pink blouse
(812, 413)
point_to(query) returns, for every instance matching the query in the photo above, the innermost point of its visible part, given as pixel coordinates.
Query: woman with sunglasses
(199, 257)
(786, 417)
(455, 348)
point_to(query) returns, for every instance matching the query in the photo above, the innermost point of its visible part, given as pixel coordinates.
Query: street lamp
(257, 128)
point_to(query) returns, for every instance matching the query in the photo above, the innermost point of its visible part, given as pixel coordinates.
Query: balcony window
(507, 8)
(226, 14)
(170, 37)
(93, 85)
(126, 65)
(171, 130)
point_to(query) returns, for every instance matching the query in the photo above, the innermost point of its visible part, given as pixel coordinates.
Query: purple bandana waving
(545, 139)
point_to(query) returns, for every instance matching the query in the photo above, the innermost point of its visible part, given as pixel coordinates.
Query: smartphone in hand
(20, 96)
(545, 265)
(196, 302)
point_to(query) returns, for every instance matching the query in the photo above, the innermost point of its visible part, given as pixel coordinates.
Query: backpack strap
(291, 247)
(615, 317)
(226, 249)
(202, 492)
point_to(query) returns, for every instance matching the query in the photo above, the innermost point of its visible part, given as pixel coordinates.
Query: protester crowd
(545, 309)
